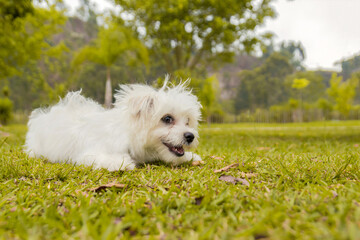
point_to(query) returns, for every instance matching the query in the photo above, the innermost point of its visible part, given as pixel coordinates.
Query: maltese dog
(145, 125)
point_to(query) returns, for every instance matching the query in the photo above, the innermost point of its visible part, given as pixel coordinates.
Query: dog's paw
(196, 157)
(117, 167)
(115, 162)
(189, 156)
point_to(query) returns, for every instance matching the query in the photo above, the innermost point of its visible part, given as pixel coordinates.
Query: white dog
(145, 125)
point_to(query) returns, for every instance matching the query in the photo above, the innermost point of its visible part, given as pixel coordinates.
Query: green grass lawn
(303, 183)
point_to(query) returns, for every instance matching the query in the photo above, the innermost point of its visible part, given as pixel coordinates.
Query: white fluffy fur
(79, 130)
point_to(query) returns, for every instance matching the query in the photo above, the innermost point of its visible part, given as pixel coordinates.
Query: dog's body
(145, 125)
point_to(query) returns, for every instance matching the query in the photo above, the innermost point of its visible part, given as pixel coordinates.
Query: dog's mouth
(177, 150)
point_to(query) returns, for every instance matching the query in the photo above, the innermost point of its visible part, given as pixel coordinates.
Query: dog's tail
(73, 101)
(76, 102)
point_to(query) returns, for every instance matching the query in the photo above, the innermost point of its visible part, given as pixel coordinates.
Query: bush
(217, 116)
(6, 107)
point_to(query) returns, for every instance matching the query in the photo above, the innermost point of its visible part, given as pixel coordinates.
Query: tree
(349, 66)
(326, 106)
(113, 42)
(6, 106)
(86, 13)
(294, 51)
(42, 81)
(342, 92)
(25, 33)
(265, 85)
(299, 84)
(316, 88)
(11, 10)
(189, 34)
(307, 87)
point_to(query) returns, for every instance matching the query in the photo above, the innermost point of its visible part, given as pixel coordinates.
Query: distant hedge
(6, 107)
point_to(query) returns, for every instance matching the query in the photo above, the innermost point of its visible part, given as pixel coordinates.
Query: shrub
(6, 107)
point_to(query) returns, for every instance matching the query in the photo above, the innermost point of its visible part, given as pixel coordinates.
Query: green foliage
(264, 86)
(25, 31)
(207, 92)
(41, 57)
(45, 79)
(14, 9)
(324, 104)
(193, 34)
(293, 51)
(6, 91)
(350, 66)
(41, 81)
(342, 93)
(316, 88)
(300, 83)
(6, 107)
(112, 43)
(293, 103)
(28, 53)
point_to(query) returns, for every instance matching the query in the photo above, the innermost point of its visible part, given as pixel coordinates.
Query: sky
(329, 30)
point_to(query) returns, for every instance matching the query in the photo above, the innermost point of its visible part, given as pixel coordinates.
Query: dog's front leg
(190, 156)
(112, 162)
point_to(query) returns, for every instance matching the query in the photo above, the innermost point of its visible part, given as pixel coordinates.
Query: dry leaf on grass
(263, 148)
(106, 186)
(148, 205)
(79, 192)
(334, 194)
(217, 158)
(248, 175)
(198, 200)
(197, 163)
(225, 169)
(234, 180)
(4, 134)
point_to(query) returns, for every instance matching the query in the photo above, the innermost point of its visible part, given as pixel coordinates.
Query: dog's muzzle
(177, 150)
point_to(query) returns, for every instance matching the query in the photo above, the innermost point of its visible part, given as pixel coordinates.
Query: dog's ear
(142, 107)
(138, 100)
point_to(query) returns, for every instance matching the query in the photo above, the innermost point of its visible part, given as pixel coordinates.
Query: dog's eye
(168, 119)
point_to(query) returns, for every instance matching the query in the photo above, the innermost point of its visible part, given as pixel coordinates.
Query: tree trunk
(194, 60)
(108, 89)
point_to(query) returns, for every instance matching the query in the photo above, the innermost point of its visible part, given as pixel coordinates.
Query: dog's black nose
(189, 137)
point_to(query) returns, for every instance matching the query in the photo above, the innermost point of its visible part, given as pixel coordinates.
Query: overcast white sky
(328, 29)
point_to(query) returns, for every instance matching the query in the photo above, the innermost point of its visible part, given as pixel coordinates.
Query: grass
(304, 184)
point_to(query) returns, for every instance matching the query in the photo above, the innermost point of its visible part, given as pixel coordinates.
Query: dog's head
(164, 121)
